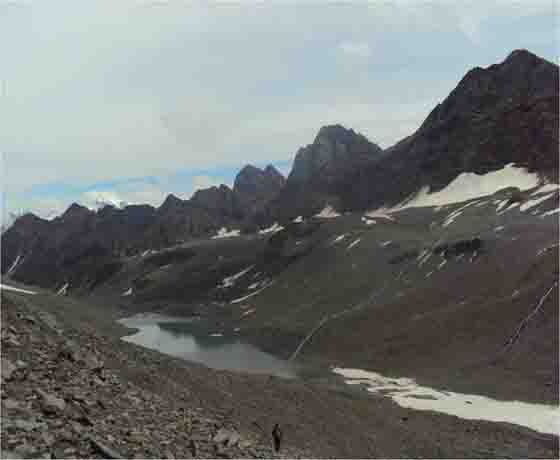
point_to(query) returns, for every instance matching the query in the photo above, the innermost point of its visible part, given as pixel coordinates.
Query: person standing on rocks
(277, 437)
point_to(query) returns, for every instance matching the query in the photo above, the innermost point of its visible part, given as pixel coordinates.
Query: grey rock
(11, 404)
(226, 437)
(51, 404)
(8, 368)
(103, 449)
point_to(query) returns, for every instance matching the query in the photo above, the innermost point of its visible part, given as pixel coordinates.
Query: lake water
(181, 338)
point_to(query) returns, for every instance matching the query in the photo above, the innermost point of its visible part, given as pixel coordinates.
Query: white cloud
(355, 49)
(202, 181)
(103, 90)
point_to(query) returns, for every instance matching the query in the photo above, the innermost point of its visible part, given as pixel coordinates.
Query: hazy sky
(131, 100)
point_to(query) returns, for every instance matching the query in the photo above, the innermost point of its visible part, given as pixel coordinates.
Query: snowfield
(407, 393)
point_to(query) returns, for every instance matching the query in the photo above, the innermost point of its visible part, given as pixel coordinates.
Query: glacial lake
(181, 338)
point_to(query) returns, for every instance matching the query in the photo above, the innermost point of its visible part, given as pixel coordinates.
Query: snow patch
(386, 243)
(547, 188)
(368, 221)
(339, 238)
(241, 299)
(275, 227)
(549, 213)
(423, 257)
(451, 217)
(381, 213)
(229, 281)
(63, 290)
(224, 233)
(5, 287)
(407, 393)
(499, 228)
(534, 202)
(328, 212)
(14, 265)
(217, 334)
(298, 220)
(467, 186)
(354, 243)
(127, 292)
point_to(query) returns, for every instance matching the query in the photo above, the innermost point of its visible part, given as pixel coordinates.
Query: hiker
(277, 437)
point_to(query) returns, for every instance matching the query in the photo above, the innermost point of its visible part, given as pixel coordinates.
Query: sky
(132, 100)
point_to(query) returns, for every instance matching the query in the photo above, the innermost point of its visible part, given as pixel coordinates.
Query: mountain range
(496, 116)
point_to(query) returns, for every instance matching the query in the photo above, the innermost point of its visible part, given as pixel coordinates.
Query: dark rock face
(321, 171)
(255, 187)
(506, 113)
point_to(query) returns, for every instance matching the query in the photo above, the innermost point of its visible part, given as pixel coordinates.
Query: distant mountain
(321, 172)
(87, 246)
(506, 113)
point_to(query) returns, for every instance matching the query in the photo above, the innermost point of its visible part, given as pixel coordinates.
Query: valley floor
(71, 388)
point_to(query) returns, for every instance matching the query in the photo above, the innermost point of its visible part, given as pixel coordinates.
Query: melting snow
(354, 243)
(381, 213)
(407, 393)
(534, 202)
(470, 185)
(127, 292)
(14, 265)
(451, 217)
(423, 257)
(368, 221)
(549, 213)
(272, 229)
(241, 299)
(547, 188)
(328, 212)
(63, 289)
(339, 238)
(229, 281)
(223, 233)
(5, 287)
(298, 220)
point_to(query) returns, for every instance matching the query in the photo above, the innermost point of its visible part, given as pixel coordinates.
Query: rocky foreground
(60, 399)
(72, 389)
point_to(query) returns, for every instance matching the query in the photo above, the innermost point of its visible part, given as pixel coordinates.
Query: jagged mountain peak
(76, 210)
(251, 179)
(334, 150)
(171, 202)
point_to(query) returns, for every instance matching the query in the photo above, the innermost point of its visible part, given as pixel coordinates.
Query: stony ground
(72, 389)
(61, 400)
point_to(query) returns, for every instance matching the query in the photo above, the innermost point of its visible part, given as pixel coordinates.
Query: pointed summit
(335, 150)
